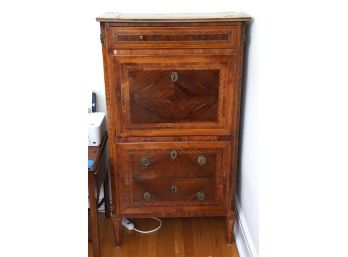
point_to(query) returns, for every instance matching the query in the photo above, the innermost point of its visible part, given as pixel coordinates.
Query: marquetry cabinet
(173, 89)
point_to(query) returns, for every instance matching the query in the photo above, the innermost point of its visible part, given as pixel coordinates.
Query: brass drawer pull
(173, 154)
(201, 160)
(145, 161)
(174, 189)
(200, 195)
(141, 37)
(174, 76)
(147, 196)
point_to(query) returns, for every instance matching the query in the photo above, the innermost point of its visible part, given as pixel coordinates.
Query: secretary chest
(173, 86)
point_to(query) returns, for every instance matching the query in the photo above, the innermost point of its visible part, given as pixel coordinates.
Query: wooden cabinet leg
(229, 228)
(117, 231)
(106, 186)
(94, 217)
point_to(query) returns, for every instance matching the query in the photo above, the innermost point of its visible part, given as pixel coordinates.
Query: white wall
(250, 148)
(295, 127)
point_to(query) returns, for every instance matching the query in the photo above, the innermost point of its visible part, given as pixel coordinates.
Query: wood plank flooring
(178, 237)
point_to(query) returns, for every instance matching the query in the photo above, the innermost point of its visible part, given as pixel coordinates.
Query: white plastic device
(96, 128)
(127, 224)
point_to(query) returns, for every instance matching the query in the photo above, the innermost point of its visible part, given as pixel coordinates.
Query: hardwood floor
(178, 237)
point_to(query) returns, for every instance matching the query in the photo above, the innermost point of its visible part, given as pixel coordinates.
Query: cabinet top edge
(172, 17)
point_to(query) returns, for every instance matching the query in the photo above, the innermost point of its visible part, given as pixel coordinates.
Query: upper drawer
(174, 37)
(170, 160)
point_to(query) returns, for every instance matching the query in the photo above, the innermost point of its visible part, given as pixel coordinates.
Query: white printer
(96, 128)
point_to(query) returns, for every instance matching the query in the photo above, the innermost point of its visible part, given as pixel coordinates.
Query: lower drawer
(170, 192)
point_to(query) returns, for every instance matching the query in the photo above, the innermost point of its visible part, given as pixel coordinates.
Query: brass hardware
(147, 196)
(145, 161)
(201, 160)
(174, 189)
(141, 37)
(200, 195)
(173, 154)
(102, 38)
(174, 76)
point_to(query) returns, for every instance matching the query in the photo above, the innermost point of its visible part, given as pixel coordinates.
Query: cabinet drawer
(170, 191)
(174, 37)
(173, 160)
(188, 95)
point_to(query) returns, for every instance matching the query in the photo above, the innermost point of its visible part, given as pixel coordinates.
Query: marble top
(172, 17)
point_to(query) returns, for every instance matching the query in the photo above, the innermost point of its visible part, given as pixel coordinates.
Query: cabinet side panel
(110, 101)
(236, 119)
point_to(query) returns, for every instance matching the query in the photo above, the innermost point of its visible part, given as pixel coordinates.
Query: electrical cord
(150, 231)
(130, 226)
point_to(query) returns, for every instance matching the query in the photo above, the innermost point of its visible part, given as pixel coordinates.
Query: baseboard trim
(242, 236)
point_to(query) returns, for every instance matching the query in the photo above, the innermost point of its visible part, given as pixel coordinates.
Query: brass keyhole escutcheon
(174, 189)
(174, 76)
(200, 195)
(201, 160)
(147, 196)
(173, 154)
(145, 161)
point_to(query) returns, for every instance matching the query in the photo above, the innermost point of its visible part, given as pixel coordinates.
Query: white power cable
(130, 226)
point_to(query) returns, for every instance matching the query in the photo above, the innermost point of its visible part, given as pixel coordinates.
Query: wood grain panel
(196, 103)
(184, 165)
(160, 190)
(173, 139)
(155, 98)
(132, 194)
(174, 37)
